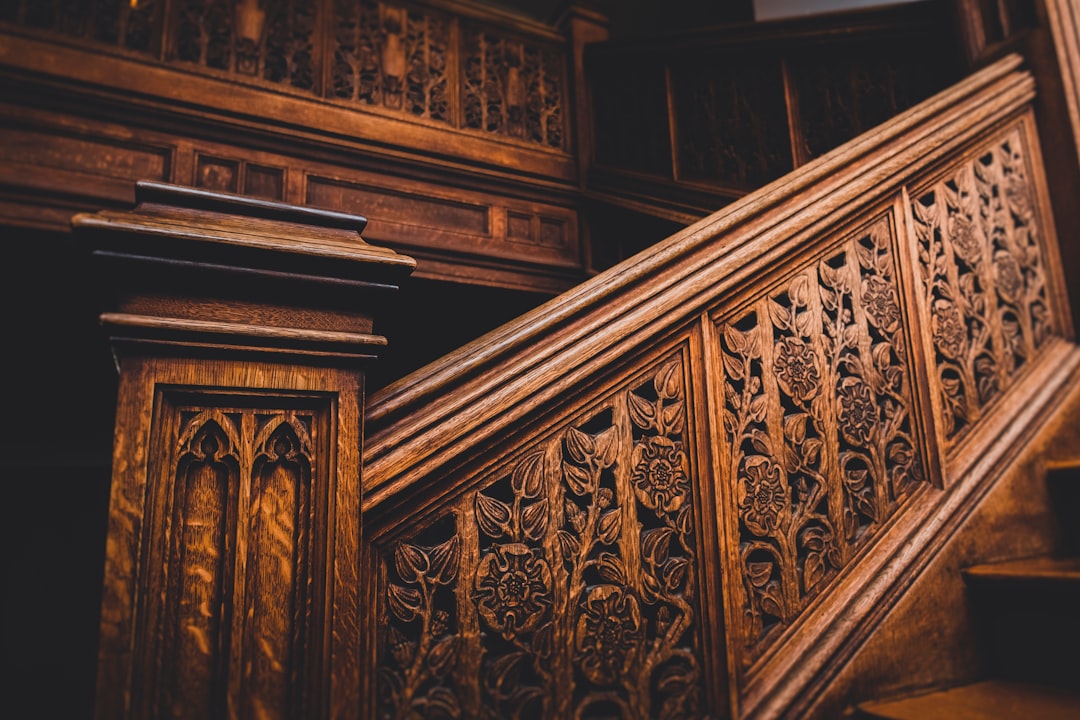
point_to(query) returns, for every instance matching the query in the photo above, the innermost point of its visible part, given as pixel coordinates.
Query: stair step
(1037, 569)
(989, 700)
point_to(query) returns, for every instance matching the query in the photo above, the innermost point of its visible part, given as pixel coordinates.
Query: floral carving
(950, 335)
(981, 262)
(569, 576)
(797, 368)
(609, 634)
(858, 412)
(513, 589)
(764, 497)
(879, 299)
(659, 475)
(820, 430)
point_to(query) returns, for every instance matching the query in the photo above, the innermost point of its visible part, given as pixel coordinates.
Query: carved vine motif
(112, 22)
(817, 415)
(983, 277)
(392, 57)
(566, 586)
(271, 40)
(242, 486)
(511, 88)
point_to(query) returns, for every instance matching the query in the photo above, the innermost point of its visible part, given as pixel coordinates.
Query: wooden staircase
(1027, 625)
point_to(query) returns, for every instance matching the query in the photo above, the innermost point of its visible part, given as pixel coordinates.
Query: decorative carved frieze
(983, 277)
(818, 423)
(566, 585)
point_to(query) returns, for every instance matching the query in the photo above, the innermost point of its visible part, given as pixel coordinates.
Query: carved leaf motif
(610, 568)
(534, 519)
(580, 445)
(577, 478)
(609, 526)
(492, 515)
(758, 573)
(780, 315)
(528, 476)
(759, 407)
(444, 561)
(410, 562)
(404, 602)
(607, 447)
(795, 427)
(569, 545)
(656, 544)
(675, 573)
(642, 412)
(668, 381)
(674, 416)
(733, 368)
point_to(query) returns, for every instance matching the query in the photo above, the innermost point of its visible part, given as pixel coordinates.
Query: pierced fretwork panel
(111, 23)
(567, 585)
(392, 57)
(238, 623)
(983, 278)
(511, 87)
(818, 424)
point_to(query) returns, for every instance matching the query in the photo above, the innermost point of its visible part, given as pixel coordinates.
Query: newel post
(240, 329)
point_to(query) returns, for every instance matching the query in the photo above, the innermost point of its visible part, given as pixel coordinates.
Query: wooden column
(240, 329)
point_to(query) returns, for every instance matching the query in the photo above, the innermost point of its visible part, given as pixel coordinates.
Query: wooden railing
(685, 123)
(694, 484)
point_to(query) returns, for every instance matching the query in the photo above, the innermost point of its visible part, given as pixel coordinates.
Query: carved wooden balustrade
(687, 122)
(693, 485)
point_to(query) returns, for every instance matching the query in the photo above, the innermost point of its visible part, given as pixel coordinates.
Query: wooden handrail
(736, 446)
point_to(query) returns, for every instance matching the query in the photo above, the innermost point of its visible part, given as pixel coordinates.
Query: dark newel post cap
(222, 273)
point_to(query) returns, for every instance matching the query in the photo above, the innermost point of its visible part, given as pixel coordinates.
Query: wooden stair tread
(989, 700)
(1064, 569)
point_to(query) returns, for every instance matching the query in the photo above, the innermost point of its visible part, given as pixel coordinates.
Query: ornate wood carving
(231, 578)
(983, 275)
(512, 87)
(566, 584)
(242, 607)
(812, 454)
(450, 68)
(818, 424)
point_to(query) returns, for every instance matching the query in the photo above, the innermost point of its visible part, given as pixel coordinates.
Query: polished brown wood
(737, 449)
(240, 326)
(447, 124)
(982, 701)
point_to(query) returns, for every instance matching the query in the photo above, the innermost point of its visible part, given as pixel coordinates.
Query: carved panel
(731, 121)
(239, 617)
(983, 271)
(566, 585)
(51, 147)
(818, 419)
(271, 40)
(116, 23)
(393, 57)
(512, 87)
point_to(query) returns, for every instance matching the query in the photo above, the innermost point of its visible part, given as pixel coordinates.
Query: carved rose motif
(858, 413)
(964, 240)
(1010, 280)
(950, 335)
(659, 475)
(609, 634)
(763, 496)
(797, 368)
(879, 299)
(513, 586)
